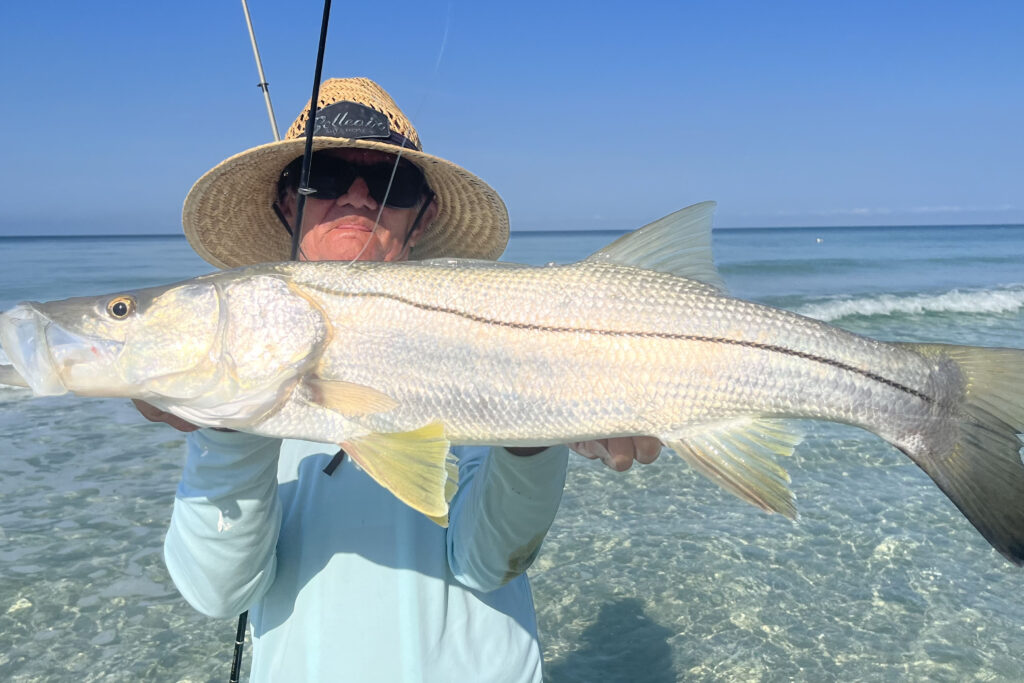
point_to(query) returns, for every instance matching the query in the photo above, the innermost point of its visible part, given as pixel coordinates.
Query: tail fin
(983, 473)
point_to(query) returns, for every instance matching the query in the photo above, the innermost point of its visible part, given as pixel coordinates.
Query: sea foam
(985, 301)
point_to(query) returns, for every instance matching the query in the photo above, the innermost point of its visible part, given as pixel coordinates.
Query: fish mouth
(23, 337)
(49, 358)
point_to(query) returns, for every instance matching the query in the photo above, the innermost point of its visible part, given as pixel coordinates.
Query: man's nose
(358, 195)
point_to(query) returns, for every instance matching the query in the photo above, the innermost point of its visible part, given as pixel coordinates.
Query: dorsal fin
(679, 243)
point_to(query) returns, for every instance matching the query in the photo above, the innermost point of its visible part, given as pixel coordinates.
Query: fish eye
(121, 307)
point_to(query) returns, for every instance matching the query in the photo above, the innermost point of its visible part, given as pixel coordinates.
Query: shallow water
(651, 575)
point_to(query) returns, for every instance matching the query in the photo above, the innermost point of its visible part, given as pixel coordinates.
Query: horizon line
(572, 230)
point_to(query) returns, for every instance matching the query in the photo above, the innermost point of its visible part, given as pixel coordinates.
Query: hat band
(400, 140)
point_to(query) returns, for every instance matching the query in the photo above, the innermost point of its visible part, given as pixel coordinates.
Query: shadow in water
(623, 644)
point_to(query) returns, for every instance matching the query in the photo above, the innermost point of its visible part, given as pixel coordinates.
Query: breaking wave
(987, 301)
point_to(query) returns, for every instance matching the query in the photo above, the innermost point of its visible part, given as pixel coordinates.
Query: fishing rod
(243, 618)
(307, 154)
(303, 191)
(263, 85)
(307, 157)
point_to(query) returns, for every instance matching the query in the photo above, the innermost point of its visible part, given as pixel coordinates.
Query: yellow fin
(347, 398)
(451, 485)
(416, 466)
(735, 454)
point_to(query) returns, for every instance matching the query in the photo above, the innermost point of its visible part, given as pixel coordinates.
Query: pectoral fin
(10, 376)
(737, 455)
(415, 466)
(349, 399)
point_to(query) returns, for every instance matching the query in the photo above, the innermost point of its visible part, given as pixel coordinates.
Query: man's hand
(620, 452)
(154, 414)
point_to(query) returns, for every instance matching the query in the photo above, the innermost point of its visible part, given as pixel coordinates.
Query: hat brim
(229, 220)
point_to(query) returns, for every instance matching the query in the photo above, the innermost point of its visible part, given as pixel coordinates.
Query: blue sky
(581, 114)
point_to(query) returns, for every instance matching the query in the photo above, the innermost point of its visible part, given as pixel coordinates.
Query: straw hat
(228, 215)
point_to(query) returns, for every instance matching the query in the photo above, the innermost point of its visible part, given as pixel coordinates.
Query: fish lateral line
(648, 334)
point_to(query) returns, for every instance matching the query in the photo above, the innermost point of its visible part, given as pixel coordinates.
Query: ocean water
(650, 575)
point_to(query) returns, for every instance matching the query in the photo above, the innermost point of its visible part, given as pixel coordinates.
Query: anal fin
(737, 455)
(416, 466)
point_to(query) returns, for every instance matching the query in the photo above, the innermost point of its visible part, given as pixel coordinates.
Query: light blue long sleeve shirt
(346, 583)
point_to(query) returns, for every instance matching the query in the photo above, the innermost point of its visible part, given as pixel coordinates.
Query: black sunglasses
(331, 177)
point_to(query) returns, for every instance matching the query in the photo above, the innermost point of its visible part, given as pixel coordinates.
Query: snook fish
(397, 361)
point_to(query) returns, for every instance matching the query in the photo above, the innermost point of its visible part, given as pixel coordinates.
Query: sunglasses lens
(332, 177)
(406, 187)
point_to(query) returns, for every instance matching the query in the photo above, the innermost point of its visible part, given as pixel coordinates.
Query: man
(342, 580)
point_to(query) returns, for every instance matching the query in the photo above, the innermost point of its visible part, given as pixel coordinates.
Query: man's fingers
(648, 448)
(622, 453)
(154, 414)
(594, 450)
(598, 450)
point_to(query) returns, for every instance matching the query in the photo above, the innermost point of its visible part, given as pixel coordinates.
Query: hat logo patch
(350, 120)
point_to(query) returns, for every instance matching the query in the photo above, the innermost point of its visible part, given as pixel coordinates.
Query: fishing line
(398, 156)
(380, 208)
